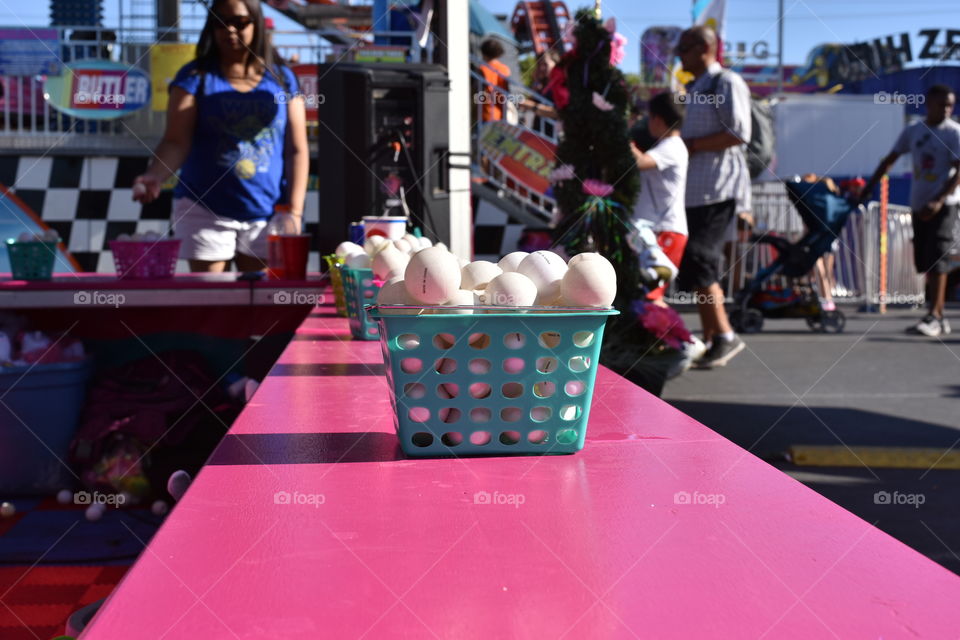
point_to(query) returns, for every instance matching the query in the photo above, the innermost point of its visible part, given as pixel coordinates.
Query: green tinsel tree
(595, 146)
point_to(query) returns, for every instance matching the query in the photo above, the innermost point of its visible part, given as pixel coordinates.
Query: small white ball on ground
(159, 508)
(95, 511)
(510, 289)
(478, 273)
(546, 270)
(590, 283)
(511, 261)
(432, 276)
(346, 248)
(7, 510)
(65, 496)
(358, 261)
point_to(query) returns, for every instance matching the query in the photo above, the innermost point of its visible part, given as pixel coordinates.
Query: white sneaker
(931, 326)
(944, 326)
(692, 351)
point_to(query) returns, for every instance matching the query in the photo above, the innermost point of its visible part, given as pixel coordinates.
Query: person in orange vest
(496, 74)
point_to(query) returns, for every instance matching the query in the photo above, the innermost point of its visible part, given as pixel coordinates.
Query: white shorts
(206, 236)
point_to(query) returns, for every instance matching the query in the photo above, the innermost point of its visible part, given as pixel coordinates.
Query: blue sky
(808, 22)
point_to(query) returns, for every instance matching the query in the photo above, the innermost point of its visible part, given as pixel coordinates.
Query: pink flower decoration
(617, 49)
(597, 188)
(665, 324)
(563, 172)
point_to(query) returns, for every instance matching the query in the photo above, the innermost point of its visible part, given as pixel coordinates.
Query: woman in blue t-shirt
(236, 129)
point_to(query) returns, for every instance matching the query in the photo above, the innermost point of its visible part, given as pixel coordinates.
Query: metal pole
(780, 48)
(596, 7)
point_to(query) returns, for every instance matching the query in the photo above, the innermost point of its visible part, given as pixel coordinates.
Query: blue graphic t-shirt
(235, 165)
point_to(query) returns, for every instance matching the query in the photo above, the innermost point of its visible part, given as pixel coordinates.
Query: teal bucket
(360, 289)
(31, 260)
(491, 381)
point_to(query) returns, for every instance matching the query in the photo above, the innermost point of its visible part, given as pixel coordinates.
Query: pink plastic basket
(142, 259)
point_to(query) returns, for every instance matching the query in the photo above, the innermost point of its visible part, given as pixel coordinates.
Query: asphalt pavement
(872, 385)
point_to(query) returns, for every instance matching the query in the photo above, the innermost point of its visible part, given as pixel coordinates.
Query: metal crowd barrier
(857, 255)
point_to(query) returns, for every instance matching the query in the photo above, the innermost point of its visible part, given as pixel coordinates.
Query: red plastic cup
(288, 256)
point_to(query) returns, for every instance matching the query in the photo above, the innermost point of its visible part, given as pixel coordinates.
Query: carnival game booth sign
(525, 158)
(98, 90)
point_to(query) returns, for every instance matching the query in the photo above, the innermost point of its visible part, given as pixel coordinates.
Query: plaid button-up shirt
(715, 176)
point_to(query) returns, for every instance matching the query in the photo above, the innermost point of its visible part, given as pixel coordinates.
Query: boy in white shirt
(663, 180)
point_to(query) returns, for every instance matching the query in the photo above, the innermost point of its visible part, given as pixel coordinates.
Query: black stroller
(825, 214)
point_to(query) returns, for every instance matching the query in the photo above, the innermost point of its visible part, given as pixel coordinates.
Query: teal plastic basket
(360, 289)
(491, 382)
(31, 260)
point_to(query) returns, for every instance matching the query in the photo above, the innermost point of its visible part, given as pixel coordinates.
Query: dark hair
(668, 107)
(940, 90)
(491, 48)
(263, 56)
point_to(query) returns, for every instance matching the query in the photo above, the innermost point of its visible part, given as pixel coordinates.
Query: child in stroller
(824, 209)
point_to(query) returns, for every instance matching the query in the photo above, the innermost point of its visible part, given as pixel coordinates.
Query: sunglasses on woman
(237, 22)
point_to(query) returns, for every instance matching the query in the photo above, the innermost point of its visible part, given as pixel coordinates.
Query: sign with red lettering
(98, 89)
(519, 153)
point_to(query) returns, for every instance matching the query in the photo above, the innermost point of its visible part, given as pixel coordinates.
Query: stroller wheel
(746, 320)
(833, 321)
(814, 323)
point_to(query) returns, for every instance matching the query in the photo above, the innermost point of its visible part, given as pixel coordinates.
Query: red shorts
(673, 244)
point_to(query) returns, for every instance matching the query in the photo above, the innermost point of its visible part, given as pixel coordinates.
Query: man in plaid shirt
(715, 131)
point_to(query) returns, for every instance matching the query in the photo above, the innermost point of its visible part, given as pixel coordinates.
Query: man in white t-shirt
(664, 180)
(934, 146)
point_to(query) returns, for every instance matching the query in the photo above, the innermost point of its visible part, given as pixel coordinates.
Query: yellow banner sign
(166, 58)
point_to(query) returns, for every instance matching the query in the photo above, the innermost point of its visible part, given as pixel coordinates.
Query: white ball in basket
(442, 246)
(510, 290)
(511, 261)
(346, 248)
(51, 236)
(26, 236)
(389, 263)
(584, 256)
(432, 276)
(589, 283)
(477, 274)
(403, 245)
(545, 269)
(124, 237)
(357, 261)
(394, 292)
(152, 236)
(370, 244)
(425, 242)
(461, 298)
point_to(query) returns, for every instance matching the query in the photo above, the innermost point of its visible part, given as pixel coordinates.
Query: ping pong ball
(432, 276)
(460, 298)
(404, 245)
(511, 261)
(546, 270)
(372, 242)
(510, 290)
(139, 189)
(357, 261)
(590, 283)
(389, 263)
(584, 256)
(396, 293)
(346, 248)
(425, 242)
(478, 273)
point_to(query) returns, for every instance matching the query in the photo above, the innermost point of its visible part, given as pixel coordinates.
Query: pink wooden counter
(309, 523)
